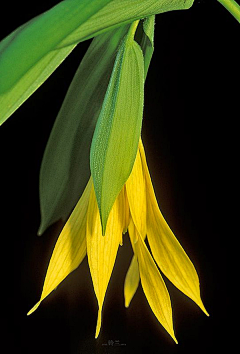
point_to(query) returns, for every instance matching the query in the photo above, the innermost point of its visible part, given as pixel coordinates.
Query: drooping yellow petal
(167, 251)
(153, 284)
(102, 250)
(70, 248)
(131, 281)
(136, 194)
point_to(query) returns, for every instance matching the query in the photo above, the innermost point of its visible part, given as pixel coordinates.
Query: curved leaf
(11, 100)
(41, 35)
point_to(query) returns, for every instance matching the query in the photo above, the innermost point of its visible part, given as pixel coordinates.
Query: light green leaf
(32, 51)
(65, 167)
(11, 100)
(41, 35)
(117, 133)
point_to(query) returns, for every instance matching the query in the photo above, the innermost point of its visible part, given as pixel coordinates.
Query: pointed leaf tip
(42, 229)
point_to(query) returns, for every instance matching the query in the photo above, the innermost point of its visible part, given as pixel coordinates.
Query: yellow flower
(135, 210)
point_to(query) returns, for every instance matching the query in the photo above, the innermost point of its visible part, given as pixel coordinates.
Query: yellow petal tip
(202, 307)
(172, 334)
(205, 311)
(175, 339)
(34, 308)
(128, 296)
(127, 303)
(99, 321)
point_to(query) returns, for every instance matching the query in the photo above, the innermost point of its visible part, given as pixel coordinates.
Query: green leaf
(33, 54)
(117, 133)
(41, 35)
(11, 100)
(65, 167)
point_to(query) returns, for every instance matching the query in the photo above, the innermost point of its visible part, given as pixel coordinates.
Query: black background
(190, 133)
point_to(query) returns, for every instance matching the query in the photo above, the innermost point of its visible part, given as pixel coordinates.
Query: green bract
(32, 52)
(117, 133)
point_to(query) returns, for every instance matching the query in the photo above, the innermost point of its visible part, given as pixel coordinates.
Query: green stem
(232, 7)
(132, 30)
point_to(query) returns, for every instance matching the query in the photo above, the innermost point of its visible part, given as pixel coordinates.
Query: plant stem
(232, 7)
(132, 30)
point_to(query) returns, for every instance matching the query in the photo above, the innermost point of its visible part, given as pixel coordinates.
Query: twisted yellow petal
(70, 248)
(102, 250)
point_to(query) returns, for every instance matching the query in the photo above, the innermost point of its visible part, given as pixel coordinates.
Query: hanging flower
(135, 210)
